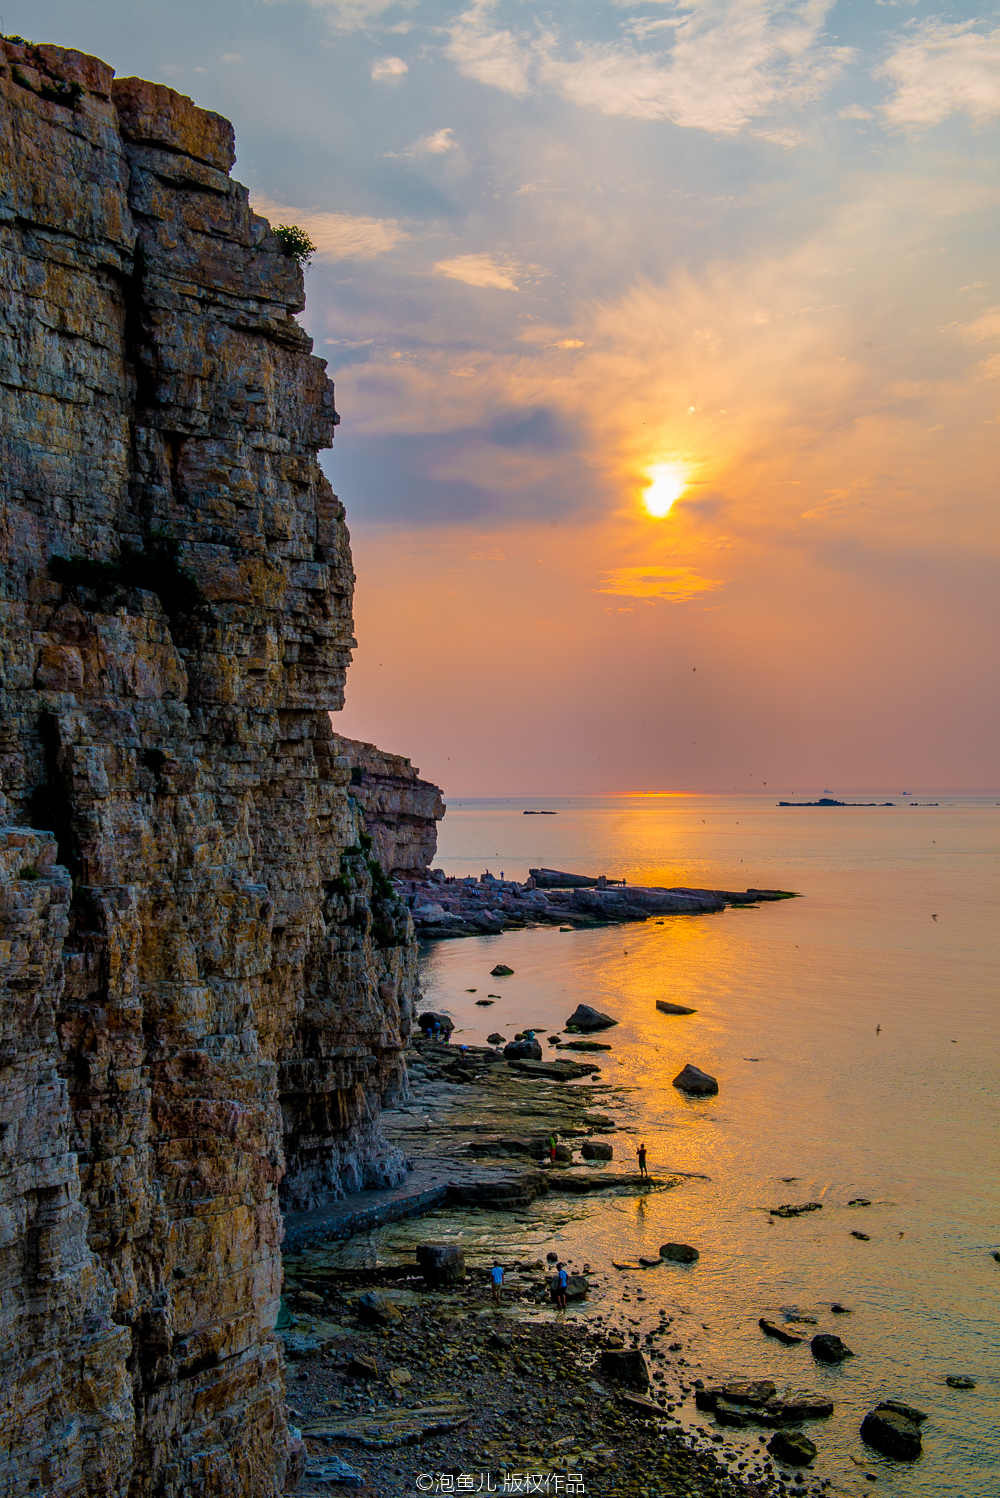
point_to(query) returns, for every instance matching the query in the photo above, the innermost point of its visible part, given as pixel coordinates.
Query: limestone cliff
(207, 978)
(400, 811)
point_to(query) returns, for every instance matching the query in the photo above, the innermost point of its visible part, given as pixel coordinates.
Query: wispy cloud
(480, 270)
(350, 15)
(337, 236)
(665, 584)
(436, 143)
(491, 56)
(941, 68)
(728, 63)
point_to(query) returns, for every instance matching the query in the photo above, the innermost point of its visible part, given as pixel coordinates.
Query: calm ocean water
(897, 928)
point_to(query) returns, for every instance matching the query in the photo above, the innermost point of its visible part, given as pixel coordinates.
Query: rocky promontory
(444, 905)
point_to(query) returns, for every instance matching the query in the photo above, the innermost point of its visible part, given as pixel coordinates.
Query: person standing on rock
(562, 1280)
(552, 1149)
(641, 1152)
(496, 1275)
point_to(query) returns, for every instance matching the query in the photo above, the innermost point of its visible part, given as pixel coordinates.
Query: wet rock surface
(693, 1080)
(445, 906)
(892, 1433)
(828, 1348)
(792, 1446)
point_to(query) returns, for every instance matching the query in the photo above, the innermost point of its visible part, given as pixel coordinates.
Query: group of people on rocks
(559, 1284)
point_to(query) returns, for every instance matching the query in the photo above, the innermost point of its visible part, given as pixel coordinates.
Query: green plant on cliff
(155, 568)
(296, 243)
(56, 90)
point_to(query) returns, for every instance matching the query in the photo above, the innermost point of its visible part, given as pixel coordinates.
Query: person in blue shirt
(562, 1280)
(497, 1277)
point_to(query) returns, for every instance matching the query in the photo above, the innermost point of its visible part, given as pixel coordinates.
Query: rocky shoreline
(395, 1377)
(443, 905)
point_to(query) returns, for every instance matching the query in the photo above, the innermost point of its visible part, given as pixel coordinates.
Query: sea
(854, 1034)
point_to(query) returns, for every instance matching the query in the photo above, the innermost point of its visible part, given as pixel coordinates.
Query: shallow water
(789, 997)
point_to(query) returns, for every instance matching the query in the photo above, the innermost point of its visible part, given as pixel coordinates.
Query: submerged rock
(796, 1209)
(780, 1333)
(829, 1348)
(586, 1018)
(692, 1079)
(892, 1433)
(667, 1008)
(960, 1381)
(749, 1391)
(679, 1253)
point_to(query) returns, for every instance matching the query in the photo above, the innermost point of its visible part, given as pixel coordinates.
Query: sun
(667, 482)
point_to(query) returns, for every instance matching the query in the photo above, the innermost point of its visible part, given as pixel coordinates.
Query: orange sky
(750, 241)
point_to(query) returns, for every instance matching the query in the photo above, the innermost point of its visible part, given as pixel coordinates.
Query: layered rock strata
(401, 811)
(207, 978)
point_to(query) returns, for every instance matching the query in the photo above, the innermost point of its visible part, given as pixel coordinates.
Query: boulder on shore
(429, 1019)
(667, 1008)
(793, 1447)
(597, 1149)
(891, 1433)
(695, 1081)
(586, 1018)
(679, 1253)
(625, 1366)
(375, 1310)
(496, 1038)
(522, 1050)
(442, 1263)
(829, 1348)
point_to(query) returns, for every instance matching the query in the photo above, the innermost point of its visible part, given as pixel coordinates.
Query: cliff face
(400, 811)
(206, 977)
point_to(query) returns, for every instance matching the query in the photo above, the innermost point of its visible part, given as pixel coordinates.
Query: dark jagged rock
(523, 1050)
(441, 1264)
(780, 1333)
(829, 1348)
(698, 1083)
(792, 1447)
(667, 1008)
(597, 1149)
(892, 1433)
(501, 971)
(585, 1018)
(375, 1310)
(791, 1209)
(625, 1366)
(679, 1253)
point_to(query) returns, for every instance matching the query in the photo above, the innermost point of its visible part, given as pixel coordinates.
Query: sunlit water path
(789, 998)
